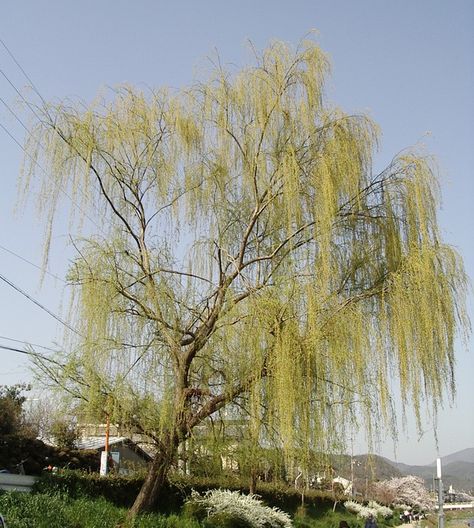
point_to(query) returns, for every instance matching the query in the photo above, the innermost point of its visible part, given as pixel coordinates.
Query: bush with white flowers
(382, 511)
(372, 508)
(359, 509)
(352, 507)
(247, 508)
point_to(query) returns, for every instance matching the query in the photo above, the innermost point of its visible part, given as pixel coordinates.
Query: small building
(344, 485)
(127, 455)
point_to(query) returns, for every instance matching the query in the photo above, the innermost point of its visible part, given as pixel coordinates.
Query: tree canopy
(239, 249)
(11, 409)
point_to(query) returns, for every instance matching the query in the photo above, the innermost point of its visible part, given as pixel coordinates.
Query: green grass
(319, 518)
(58, 510)
(37, 510)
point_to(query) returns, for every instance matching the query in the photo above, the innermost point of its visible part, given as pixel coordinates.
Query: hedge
(122, 490)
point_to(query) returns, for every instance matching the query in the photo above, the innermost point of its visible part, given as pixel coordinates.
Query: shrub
(65, 434)
(352, 507)
(24, 510)
(226, 520)
(122, 490)
(77, 485)
(36, 510)
(239, 510)
(372, 508)
(383, 511)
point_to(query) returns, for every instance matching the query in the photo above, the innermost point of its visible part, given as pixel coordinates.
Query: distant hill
(460, 475)
(457, 470)
(408, 469)
(465, 455)
(373, 467)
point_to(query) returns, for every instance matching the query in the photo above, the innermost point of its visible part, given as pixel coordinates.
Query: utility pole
(440, 494)
(352, 468)
(104, 455)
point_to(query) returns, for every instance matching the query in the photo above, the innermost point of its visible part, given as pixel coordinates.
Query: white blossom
(372, 508)
(382, 511)
(245, 507)
(405, 491)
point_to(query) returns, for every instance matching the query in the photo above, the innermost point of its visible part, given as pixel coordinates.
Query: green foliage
(246, 250)
(225, 520)
(325, 518)
(122, 491)
(11, 406)
(38, 510)
(58, 509)
(64, 433)
(77, 485)
(36, 455)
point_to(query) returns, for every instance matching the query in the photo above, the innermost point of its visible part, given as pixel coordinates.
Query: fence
(12, 482)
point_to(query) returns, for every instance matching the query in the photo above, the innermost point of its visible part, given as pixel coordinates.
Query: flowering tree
(409, 490)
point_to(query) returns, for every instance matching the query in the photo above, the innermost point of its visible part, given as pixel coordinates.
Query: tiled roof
(98, 442)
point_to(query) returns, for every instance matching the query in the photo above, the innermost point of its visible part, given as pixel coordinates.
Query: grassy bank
(73, 499)
(58, 510)
(459, 519)
(39, 510)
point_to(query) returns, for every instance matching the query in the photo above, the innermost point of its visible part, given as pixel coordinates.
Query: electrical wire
(13, 137)
(27, 343)
(32, 264)
(32, 353)
(31, 107)
(14, 114)
(33, 300)
(44, 171)
(26, 352)
(22, 70)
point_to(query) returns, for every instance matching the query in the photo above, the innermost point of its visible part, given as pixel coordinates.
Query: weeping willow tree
(239, 252)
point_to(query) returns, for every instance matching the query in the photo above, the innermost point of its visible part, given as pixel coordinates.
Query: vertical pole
(352, 475)
(104, 455)
(352, 468)
(440, 494)
(107, 435)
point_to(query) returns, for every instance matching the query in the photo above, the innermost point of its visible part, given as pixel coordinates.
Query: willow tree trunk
(253, 481)
(155, 479)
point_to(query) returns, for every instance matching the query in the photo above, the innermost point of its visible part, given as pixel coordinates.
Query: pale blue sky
(408, 63)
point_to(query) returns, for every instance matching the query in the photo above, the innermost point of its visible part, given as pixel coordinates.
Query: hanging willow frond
(247, 250)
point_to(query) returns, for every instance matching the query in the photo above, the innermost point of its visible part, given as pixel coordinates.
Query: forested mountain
(457, 470)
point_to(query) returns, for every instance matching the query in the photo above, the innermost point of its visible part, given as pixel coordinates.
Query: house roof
(97, 443)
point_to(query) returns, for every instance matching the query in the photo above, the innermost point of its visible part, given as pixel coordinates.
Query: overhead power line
(22, 70)
(14, 114)
(32, 353)
(26, 352)
(12, 136)
(27, 343)
(32, 108)
(44, 171)
(52, 314)
(32, 264)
